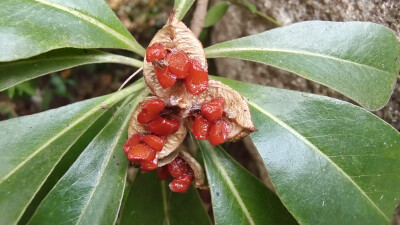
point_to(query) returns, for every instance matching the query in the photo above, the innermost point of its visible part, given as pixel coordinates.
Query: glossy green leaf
(151, 202)
(31, 147)
(358, 59)
(12, 73)
(181, 7)
(237, 196)
(31, 27)
(331, 162)
(91, 190)
(215, 13)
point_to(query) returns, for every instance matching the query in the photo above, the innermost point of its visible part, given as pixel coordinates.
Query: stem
(130, 77)
(262, 15)
(199, 15)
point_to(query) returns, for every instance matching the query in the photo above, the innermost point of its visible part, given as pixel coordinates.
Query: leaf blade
(13, 73)
(92, 188)
(325, 152)
(47, 137)
(149, 194)
(26, 30)
(357, 59)
(215, 13)
(229, 182)
(181, 7)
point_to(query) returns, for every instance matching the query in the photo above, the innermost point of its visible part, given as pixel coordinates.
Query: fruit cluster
(141, 148)
(172, 64)
(210, 123)
(181, 172)
(175, 72)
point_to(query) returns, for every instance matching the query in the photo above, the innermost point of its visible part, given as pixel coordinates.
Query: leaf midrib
(89, 19)
(318, 151)
(107, 57)
(231, 186)
(301, 53)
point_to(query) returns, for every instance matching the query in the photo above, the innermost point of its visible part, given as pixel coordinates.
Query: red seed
(155, 52)
(181, 184)
(213, 110)
(178, 167)
(201, 127)
(132, 141)
(163, 126)
(147, 166)
(165, 77)
(218, 132)
(150, 111)
(155, 142)
(163, 173)
(178, 64)
(197, 81)
(141, 152)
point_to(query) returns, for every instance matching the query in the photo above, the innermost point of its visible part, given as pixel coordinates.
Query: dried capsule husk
(198, 172)
(173, 140)
(170, 157)
(236, 111)
(175, 35)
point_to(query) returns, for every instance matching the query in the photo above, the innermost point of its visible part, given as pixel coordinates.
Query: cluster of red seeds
(142, 148)
(210, 123)
(181, 172)
(172, 64)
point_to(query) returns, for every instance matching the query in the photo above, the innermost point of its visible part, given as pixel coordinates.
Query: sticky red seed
(165, 77)
(155, 52)
(132, 141)
(141, 152)
(181, 184)
(201, 128)
(163, 126)
(178, 167)
(197, 80)
(155, 142)
(218, 132)
(178, 64)
(150, 110)
(214, 109)
(147, 166)
(163, 173)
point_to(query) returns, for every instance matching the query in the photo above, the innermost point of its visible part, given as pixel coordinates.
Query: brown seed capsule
(174, 35)
(236, 110)
(173, 140)
(198, 172)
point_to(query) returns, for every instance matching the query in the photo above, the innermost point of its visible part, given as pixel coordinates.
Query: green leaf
(181, 7)
(28, 28)
(27, 87)
(32, 146)
(151, 202)
(250, 6)
(215, 13)
(331, 162)
(237, 196)
(91, 190)
(12, 73)
(358, 59)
